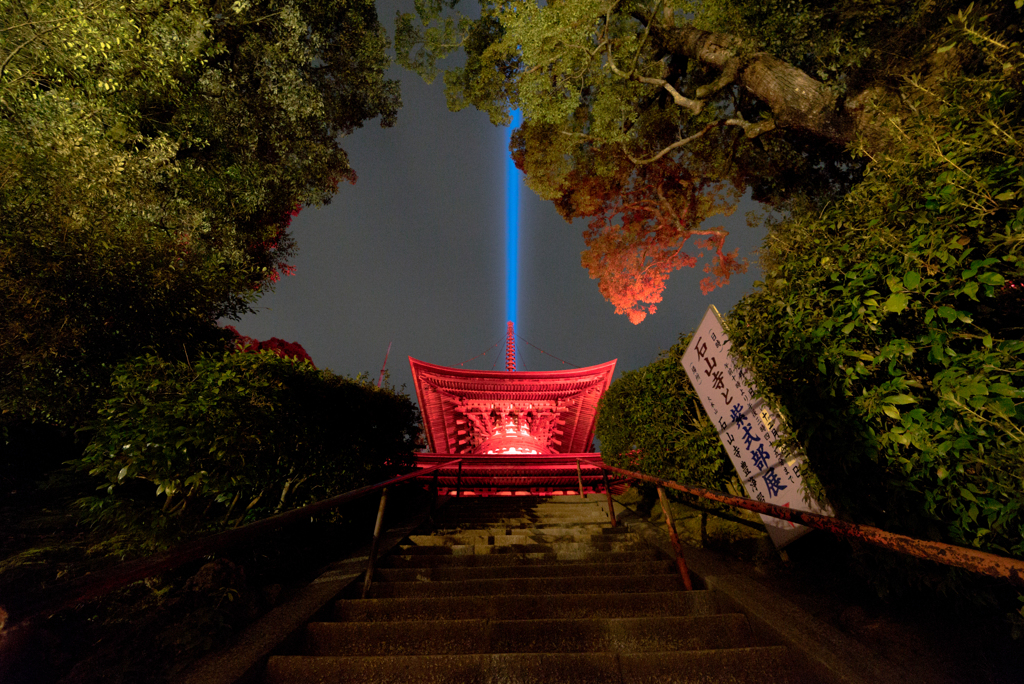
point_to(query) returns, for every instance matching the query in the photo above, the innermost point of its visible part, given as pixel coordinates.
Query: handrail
(1010, 569)
(100, 582)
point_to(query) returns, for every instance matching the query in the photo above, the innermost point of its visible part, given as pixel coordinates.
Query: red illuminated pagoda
(518, 433)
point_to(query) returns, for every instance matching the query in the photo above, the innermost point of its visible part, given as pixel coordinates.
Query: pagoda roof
(447, 397)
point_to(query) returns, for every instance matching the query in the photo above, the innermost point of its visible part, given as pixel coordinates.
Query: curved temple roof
(540, 412)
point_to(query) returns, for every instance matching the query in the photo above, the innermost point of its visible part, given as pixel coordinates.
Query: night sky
(414, 254)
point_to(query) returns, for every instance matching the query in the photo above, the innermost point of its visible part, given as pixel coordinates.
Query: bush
(235, 436)
(888, 327)
(651, 420)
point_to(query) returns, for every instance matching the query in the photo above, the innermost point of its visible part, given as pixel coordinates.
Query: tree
(151, 156)
(638, 233)
(608, 89)
(888, 327)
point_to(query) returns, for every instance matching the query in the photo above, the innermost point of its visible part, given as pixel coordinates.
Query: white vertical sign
(750, 431)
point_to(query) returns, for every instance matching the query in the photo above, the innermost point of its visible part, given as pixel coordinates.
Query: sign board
(749, 430)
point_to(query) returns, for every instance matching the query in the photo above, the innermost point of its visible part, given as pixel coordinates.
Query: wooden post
(579, 476)
(680, 562)
(611, 504)
(376, 541)
(458, 483)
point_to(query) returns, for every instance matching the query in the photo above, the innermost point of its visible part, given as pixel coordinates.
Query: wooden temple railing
(99, 583)
(519, 474)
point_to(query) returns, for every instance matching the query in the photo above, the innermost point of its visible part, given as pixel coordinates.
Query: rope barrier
(544, 352)
(481, 354)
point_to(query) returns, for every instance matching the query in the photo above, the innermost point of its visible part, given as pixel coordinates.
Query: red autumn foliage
(638, 231)
(286, 350)
(271, 253)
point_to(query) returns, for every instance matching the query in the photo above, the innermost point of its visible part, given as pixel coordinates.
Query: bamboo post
(680, 561)
(579, 476)
(376, 541)
(611, 504)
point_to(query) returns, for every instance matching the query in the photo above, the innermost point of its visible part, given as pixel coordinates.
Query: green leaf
(891, 411)
(1006, 196)
(948, 313)
(896, 302)
(991, 278)
(1005, 390)
(971, 389)
(911, 280)
(900, 399)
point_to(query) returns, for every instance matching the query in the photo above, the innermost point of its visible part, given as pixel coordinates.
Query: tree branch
(15, 51)
(728, 76)
(796, 100)
(750, 129)
(695, 106)
(644, 37)
(677, 144)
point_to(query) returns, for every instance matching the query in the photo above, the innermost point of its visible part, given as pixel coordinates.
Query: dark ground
(947, 627)
(151, 630)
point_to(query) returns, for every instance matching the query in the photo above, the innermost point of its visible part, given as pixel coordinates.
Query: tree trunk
(797, 101)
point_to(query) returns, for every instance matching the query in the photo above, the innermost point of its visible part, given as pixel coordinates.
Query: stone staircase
(531, 590)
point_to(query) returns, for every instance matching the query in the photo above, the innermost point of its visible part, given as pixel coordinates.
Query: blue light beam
(512, 228)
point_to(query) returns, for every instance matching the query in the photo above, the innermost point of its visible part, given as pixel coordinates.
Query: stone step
(422, 560)
(542, 511)
(489, 549)
(598, 513)
(525, 503)
(591, 506)
(591, 527)
(530, 585)
(522, 522)
(605, 533)
(531, 591)
(547, 606)
(522, 537)
(587, 508)
(756, 665)
(448, 637)
(594, 530)
(448, 574)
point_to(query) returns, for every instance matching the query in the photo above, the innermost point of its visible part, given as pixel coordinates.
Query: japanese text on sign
(749, 430)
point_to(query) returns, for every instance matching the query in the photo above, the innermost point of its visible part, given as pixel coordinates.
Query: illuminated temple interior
(516, 430)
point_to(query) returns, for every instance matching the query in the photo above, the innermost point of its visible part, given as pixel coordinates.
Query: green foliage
(888, 326)
(620, 121)
(235, 436)
(651, 420)
(848, 43)
(150, 155)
